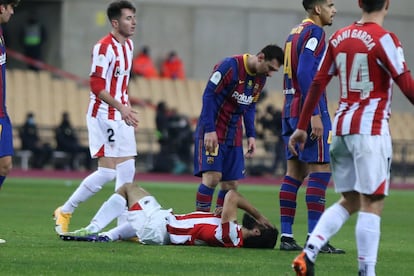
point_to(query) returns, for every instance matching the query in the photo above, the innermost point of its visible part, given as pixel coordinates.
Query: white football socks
(367, 232)
(328, 225)
(125, 173)
(110, 210)
(121, 232)
(89, 186)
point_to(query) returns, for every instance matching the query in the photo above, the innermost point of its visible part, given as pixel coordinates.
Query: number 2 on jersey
(359, 75)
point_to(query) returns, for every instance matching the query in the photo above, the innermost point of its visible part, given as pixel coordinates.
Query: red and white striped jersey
(200, 228)
(112, 62)
(366, 58)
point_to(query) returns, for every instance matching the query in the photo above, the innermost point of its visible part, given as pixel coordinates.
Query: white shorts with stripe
(150, 223)
(361, 163)
(108, 138)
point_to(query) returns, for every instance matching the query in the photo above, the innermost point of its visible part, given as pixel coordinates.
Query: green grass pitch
(33, 248)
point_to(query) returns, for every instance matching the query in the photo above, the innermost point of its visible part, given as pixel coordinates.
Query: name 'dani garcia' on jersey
(242, 98)
(358, 34)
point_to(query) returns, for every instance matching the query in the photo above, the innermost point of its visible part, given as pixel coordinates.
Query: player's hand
(265, 222)
(317, 127)
(130, 116)
(298, 137)
(218, 211)
(210, 141)
(251, 147)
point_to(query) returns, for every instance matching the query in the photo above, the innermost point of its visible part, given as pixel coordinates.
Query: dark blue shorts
(315, 151)
(6, 137)
(229, 160)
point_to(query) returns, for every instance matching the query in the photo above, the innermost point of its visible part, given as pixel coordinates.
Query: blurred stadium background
(202, 32)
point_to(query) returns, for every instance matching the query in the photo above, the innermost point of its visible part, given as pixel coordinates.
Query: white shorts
(361, 163)
(150, 223)
(108, 138)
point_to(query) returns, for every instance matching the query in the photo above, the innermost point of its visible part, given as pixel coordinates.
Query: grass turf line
(33, 248)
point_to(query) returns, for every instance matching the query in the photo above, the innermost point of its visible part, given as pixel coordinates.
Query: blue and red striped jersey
(304, 49)
(229, 100)
(3, 109)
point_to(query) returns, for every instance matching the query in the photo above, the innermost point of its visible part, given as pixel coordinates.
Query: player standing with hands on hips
(304, 49)
(229, 100)
(367, 59)
(110, 119)
(6, 129)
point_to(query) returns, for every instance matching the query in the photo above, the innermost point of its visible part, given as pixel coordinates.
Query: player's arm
(208, 113)
(249, 124)
(316, 89)
(397, 66)
(406, 83)
(234, 201)
(218, 81)
(307, 68)
(309, 61)
(98, 88)
(102, 56)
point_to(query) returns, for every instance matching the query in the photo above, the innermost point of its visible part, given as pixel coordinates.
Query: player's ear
(114, 23)
(261, 57)
(317, 10)
(256, 231)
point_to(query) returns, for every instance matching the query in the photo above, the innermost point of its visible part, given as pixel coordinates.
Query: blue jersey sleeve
(215, 85)
(248, 119)
(309, 61)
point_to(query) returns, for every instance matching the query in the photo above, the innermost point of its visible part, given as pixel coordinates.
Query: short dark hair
(272, 52)
(267, 238)
(14, 3)
(372, 5)
(310, 4)
(248, 221)
(114, 10)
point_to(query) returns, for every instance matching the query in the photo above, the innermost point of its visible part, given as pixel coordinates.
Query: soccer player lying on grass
(153, 225)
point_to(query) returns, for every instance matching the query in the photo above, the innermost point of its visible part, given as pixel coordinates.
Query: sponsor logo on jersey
(119, 72)
(242, 98)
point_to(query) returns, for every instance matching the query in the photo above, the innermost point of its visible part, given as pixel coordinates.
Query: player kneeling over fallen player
(154, 225)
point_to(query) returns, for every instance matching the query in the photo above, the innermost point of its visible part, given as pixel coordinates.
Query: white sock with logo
(111, 209)
(328, 225)
(367, 231)
(89, 186)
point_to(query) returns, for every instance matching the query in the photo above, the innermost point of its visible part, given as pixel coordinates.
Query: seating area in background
(47, 96)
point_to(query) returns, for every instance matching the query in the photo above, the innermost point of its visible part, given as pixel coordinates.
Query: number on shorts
(110, 131)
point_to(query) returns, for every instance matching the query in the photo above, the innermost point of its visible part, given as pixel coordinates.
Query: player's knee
(125, 173)
(232, 196)
(101, 177)
(319, 167)
(5, 167)
(124, 189)
(229, 185)
(211, 179)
